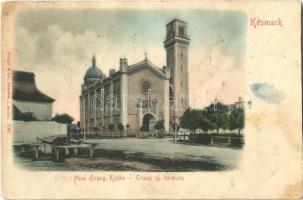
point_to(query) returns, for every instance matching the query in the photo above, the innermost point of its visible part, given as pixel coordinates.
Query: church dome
(93, 72)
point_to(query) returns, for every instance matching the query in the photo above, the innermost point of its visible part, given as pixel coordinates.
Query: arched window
(181, 31)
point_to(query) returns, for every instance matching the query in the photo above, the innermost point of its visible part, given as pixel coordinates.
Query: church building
(138, 95)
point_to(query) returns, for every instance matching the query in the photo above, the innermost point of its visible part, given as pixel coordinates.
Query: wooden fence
(99, 135)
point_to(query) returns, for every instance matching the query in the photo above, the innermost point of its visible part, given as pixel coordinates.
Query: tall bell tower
(176, 45)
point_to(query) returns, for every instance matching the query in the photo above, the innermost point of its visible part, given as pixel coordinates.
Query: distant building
(238, 104)
(140, 94)
(27, 98)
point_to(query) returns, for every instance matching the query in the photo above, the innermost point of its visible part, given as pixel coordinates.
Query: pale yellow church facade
(139, 95)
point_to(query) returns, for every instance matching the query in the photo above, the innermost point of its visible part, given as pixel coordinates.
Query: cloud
(60, 59)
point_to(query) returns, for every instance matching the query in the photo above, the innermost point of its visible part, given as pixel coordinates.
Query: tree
(127, 128)
(217, 114)
(175, 126)
(111, 127)
(120, 127)
(204, 123)
(236, 119)
(213, 117)
(63, 118)
(159, 125)
(189, 119)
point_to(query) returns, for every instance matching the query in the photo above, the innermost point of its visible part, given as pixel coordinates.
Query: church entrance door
(148, 122)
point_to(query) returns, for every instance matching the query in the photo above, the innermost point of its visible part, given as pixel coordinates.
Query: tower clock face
(145, 84)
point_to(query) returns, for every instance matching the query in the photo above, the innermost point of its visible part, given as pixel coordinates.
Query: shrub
(63, 118)
(29, 116)
(159, 125)
(120, 126)
(143, 129)
(237, 142)
(201, 138)
(95, 129)
(111, 127)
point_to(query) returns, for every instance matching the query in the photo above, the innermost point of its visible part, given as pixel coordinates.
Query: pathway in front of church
(132, 154)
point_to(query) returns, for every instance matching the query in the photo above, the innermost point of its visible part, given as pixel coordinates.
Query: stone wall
(42, 111)
(29, 131)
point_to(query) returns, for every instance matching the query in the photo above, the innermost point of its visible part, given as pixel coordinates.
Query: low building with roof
(27, 98)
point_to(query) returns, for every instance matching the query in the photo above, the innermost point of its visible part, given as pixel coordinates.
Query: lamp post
(215, 110)
(148, 97)
(175, 131)
(84, 117)
(102, 109)
(204, 98)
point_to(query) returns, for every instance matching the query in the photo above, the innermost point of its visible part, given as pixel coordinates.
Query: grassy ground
(131, 154)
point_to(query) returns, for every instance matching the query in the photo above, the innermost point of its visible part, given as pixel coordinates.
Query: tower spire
(94, 61)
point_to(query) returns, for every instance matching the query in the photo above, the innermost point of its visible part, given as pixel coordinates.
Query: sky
(58, 44)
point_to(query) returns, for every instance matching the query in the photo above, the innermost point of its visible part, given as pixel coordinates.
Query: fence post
(91, 151)
(36, 152)
(57, 153)
(22, 148)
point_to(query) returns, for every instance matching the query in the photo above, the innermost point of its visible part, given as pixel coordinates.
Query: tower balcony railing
(187, 37)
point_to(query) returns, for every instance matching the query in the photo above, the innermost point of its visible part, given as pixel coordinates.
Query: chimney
(123, 65)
